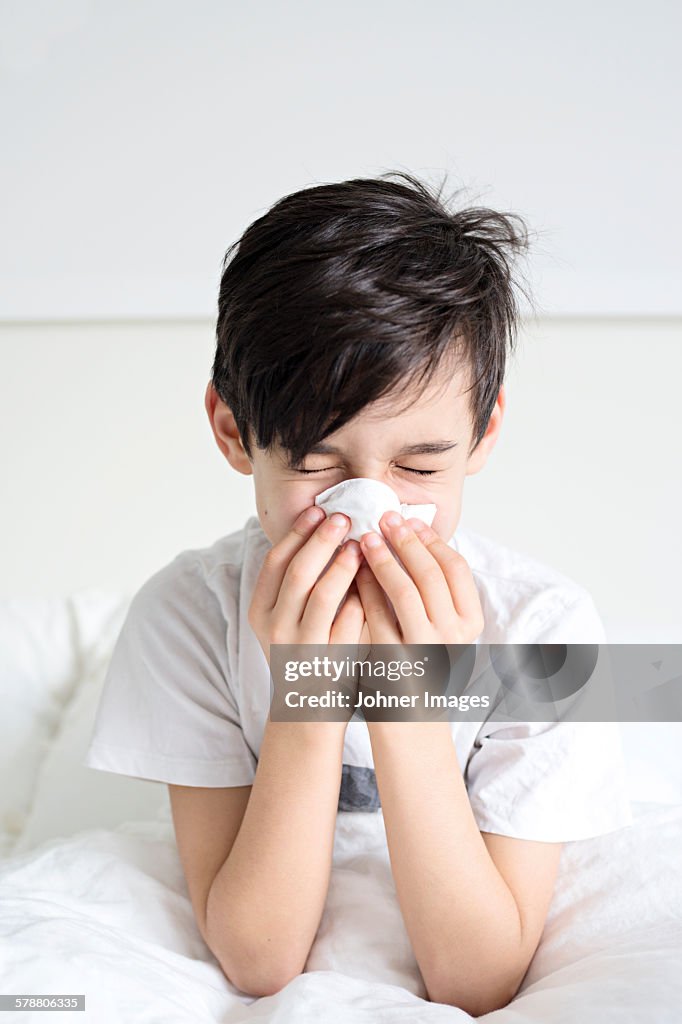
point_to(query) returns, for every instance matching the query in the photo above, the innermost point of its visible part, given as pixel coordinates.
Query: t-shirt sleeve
(552, 781)
(167, 712)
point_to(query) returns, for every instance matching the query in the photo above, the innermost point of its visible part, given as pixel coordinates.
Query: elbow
(483, 996)
(258, 980)
(474, 1003)
(479, 987)
(253, 970)
(256, 966)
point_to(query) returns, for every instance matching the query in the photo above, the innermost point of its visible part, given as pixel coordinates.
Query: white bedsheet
(106, 913)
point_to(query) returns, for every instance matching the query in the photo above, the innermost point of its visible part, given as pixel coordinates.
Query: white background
(139, 140)
(139, 137)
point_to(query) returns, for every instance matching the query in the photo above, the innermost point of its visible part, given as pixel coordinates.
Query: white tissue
(364, 501)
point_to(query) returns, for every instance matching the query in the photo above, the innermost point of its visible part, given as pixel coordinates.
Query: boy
(362, 332)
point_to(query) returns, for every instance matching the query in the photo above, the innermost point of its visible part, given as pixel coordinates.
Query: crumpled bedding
(106, 913)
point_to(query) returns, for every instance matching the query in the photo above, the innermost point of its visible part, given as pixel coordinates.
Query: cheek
(301, 494)
(279, 510)
(447, 517)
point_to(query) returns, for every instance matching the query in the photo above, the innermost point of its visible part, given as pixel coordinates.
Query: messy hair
(348, 292)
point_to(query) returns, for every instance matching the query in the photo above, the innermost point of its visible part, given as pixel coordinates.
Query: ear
(479, 456)
(225, 431)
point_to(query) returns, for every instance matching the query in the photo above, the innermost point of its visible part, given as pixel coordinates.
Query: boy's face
(374, 444)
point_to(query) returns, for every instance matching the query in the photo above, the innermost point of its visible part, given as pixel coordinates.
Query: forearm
(461, 917)
(266, 901)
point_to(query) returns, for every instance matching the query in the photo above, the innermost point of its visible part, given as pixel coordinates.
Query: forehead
(409, 417)
(415, 410)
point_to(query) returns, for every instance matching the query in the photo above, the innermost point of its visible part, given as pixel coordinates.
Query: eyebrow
(420, 448)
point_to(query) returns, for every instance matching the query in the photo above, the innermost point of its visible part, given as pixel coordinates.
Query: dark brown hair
(346, 292)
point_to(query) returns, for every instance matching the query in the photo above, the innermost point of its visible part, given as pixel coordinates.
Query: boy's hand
(435, 600)
(295, 601)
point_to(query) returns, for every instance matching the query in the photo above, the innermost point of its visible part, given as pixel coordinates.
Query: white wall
(109, 467)
(140, 137)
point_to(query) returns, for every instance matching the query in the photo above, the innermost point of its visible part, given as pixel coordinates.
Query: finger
(348, 624)
(308, 564)
(422, 565)
(327, 593)
(456, 571)
(397, 583)
(276, 561)
(365, 641)
(381, 622)
(351, 590)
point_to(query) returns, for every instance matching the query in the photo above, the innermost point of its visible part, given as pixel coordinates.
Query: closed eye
(421, 472)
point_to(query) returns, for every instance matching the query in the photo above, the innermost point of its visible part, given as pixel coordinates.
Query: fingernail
(338, 520)
(372, 540)
(417, 525)
(314, 515)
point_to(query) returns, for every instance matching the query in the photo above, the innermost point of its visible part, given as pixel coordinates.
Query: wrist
(311, 734)
(400, 733)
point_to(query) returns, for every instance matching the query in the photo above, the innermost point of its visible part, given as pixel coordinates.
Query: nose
(398, 488)
(376, 477)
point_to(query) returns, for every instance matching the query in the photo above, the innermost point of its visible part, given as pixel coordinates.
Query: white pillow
(70, 797)
(39, 669)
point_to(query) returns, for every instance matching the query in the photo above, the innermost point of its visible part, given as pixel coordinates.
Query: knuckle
(454, 562)
(271, 560)
(325, 590)
(403, 591)
(297, 574)
(277, 635)
(301, 529)
(374, 607)
(432, 573)
(364, 576)
(323, 531)
(377, 566)
(346, 562)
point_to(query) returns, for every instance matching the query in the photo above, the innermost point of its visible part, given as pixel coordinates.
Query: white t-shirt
(187, 694)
